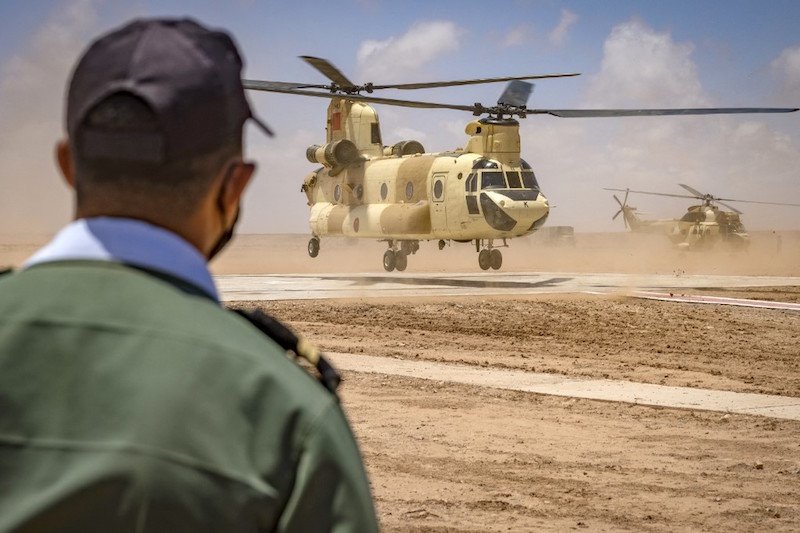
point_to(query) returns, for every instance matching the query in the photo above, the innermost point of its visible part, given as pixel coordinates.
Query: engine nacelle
(335, 154)
(404, 148)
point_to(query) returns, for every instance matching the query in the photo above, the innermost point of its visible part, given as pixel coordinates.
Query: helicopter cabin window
(384, 191)
(337, 193)
(409, 190)
(529, 180)
(492, 180)
(438, 189)
(376, 133)
(514, 180)
(358, 191)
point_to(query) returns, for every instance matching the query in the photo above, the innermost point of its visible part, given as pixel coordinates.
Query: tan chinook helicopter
(700, 228)
(399, 194)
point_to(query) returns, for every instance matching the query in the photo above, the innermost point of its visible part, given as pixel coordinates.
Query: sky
(732, 53)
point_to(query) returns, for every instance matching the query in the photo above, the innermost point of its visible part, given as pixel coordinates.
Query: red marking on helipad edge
(718, 300)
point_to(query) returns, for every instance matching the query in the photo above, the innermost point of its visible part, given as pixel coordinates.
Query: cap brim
(261, 124)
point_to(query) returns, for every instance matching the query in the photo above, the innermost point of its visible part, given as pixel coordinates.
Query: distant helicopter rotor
(708, 199)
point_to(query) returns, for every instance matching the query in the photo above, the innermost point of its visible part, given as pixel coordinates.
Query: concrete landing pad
(323, 286)
(592, 389)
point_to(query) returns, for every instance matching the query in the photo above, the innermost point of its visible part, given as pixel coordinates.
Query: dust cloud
(776, 254)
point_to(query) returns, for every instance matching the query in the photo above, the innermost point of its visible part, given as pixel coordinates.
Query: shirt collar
(132, 242)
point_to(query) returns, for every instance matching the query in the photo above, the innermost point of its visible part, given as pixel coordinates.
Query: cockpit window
(529, 180)
(471, 185)
(484, 163)
(514, 180)
(492, 180)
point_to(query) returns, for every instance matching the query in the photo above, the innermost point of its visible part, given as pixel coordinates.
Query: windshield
(529, 180)
(493, 180)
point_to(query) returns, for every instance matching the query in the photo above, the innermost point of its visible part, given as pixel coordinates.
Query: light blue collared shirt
(128, 241)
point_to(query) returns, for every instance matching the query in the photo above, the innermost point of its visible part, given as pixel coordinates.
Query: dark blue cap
(188, 75)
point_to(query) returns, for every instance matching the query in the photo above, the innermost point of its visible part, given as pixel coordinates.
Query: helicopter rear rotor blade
(603, 113)
(259, 85)
(434, 84)
(273, 88)
(329, 71)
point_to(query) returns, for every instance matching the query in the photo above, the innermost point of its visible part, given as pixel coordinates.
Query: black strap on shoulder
(291, 342)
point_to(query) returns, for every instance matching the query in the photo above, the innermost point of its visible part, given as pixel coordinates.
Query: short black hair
(177, 185)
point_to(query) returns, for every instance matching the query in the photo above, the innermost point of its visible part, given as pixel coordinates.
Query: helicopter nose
(524, 210)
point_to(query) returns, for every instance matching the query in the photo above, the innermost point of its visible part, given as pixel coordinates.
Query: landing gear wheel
(496, 259)
(484, 259)
(442, 244)
(400, 261)
(389, 260)
(313, 247)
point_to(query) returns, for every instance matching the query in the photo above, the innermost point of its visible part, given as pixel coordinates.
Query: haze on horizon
(676, 54)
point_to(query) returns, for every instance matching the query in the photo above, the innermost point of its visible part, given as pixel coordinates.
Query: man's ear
(234, 186)
(65, 163)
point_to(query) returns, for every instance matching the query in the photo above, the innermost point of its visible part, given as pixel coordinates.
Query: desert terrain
(448, 457)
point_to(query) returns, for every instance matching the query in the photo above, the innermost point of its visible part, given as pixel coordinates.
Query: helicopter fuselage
(426, 196)
(700, 228)
(400, 194)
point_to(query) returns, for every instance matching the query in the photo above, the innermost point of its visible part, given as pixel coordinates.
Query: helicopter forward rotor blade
(617, 199)
(433, 84)
(602, 113)
(329, 71)
(516, 94)
(653, 193)
(273, 88)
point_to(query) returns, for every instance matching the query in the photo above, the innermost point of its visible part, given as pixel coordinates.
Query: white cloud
(741, 156)
(406, 133)
(559, 34)
(644, 67)
(518, 35)
(390, 58)
(787, 66)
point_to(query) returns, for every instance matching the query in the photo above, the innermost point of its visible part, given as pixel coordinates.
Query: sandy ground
(445, 457)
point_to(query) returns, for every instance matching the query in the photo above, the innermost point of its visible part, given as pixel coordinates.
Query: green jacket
(129, 402)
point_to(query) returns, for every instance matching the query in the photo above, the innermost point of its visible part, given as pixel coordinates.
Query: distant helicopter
(401, 195)
(700, 228)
